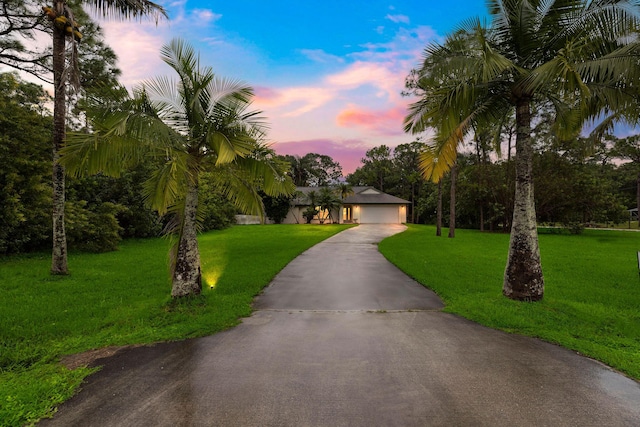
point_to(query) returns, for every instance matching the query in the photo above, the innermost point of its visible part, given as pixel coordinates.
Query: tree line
(576, 187)
(100, 210)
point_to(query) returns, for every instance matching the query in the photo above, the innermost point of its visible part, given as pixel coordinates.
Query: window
(347, 214)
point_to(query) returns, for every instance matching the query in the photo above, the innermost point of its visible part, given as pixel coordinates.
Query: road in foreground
(343, 338)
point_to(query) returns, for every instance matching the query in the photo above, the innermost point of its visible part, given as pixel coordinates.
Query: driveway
(343, 338)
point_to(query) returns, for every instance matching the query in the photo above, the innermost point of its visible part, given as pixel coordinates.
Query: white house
(366, 205)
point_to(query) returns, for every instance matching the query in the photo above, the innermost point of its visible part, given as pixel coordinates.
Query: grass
(592, 288)
(121, 298)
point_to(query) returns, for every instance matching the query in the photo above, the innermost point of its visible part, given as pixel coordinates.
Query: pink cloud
(292, 101)
(347, 153)
(140, 60)
(385, 122)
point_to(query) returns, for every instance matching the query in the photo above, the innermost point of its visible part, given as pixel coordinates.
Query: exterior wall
(361, 214)
(247, 219)
(294, 216)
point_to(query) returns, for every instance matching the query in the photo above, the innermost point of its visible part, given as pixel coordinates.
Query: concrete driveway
(343, 338)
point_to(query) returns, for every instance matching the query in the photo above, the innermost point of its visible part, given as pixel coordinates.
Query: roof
(360, 196)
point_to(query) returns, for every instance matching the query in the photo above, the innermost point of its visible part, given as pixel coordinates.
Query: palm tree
(578, 56)
(344, 190)
(328, 201)
(63, 23)
(430, 164)
(192, 123)
(311, 211)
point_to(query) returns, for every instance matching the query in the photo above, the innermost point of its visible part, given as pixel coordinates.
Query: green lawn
(592, 287)
(120, 298)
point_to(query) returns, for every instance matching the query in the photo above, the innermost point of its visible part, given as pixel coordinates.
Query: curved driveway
(343, 338)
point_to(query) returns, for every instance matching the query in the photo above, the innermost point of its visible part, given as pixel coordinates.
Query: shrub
(92, 231)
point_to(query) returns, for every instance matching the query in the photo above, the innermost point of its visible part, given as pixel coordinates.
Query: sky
(327, 75)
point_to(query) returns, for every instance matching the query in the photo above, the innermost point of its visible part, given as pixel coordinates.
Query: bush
(276, 208)
(92, 231)
(215, 210)
(309, 213)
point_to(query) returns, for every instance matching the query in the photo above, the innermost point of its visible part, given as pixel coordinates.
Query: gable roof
(360, 196)
(370, 195)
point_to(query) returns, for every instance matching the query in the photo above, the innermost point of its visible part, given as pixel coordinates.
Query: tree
(406, 164)
(629, 149)
(328, 201)
(344, 190)
(25, 165)
(312, 210)
(377, 163)
(276, 208)
(579, 57)
(64, 25)
(299, 169)
(430, 168)
(20, 21)
(314, 170)
(194, 123)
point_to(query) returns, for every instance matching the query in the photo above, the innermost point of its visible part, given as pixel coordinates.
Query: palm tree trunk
(59, 250)
(452, 202)
(439, 210)
(187, 278)
(523, 274)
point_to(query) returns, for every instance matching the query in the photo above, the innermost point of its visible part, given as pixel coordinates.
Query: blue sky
(328, 75)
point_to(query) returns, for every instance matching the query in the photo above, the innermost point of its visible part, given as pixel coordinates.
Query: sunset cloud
(292, 101)
(148, 40)
(384, 122)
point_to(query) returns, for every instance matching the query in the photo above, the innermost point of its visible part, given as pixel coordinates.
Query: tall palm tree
(430, 164)
(191, 123)
(578, 56)
(64, 26)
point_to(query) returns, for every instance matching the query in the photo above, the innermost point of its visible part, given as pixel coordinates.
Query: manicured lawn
(120, 298)
(592, 293)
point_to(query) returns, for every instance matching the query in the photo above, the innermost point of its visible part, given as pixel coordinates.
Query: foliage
(276, 208)
(25, 165)
(25, 177)
(313, 170)
(93, 230)
(216, 211)
(120, 298)
(309, 213)
(376, 165)
(20, 22)
(127, 191)
(591, 304)
(328, 201)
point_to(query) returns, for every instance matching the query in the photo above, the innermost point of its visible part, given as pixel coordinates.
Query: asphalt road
(343, 338)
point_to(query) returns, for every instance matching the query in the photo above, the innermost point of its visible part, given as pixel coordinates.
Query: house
(366, 205)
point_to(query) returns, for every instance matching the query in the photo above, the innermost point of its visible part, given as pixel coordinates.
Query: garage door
(379, 215)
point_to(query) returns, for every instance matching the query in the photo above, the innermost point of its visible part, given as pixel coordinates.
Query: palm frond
(127, 8)
(167, 184)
